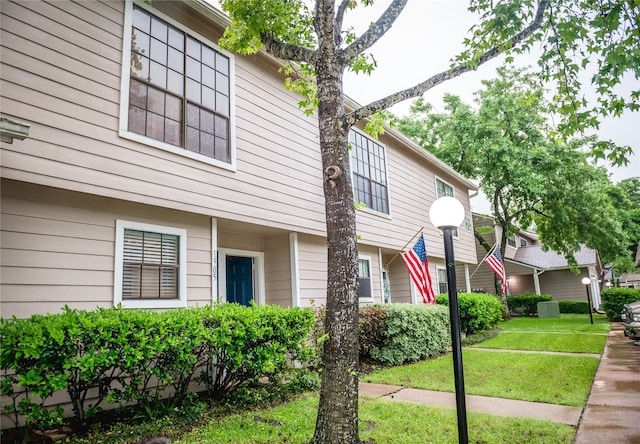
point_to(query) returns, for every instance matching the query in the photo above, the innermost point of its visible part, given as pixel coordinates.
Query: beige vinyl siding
(519, 284)
(73, 110)
(278, 271)
(563, 285)
(58, 247)
(312, 272)
(411, 188)
(399, 281)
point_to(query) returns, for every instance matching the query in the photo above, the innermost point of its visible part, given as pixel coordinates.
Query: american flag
(494, 261)
(418, 266)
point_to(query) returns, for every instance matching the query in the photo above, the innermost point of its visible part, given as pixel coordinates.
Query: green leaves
(132, 356)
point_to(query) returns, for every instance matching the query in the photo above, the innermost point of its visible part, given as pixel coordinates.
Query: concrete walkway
(612, 413)
(483, 404)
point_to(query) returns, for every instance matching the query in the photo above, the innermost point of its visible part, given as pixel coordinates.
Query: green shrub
(614, 300)
(478, 311)
(371, 328)
(412, 333)
(136, 356)
(527, 303)
(575, 307)
(247, 343)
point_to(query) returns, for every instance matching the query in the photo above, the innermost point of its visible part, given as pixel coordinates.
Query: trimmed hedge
(527, 303)
(614, 299)
(575, 307)
(136, 356)
(478, 311)
(411, 333)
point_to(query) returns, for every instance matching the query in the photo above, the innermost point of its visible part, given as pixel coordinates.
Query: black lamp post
(447, 214)
(587, 283)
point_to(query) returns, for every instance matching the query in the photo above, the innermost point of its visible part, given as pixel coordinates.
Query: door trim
(258, 272)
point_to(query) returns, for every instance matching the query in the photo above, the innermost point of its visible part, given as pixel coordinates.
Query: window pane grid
(370, 179)
(171, 72)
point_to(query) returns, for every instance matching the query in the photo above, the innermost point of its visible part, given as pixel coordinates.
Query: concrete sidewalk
(612, 413)
(483, 404)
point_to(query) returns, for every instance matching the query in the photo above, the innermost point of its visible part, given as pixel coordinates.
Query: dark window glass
(369, 172)
(171, 73)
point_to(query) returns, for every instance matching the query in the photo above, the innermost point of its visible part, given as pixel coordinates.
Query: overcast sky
(423, 40)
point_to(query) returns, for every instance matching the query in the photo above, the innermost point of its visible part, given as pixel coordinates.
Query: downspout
(536, 280)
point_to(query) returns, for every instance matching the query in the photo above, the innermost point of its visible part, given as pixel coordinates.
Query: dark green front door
(240, 279)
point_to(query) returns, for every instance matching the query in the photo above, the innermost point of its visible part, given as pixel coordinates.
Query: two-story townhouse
(531, 269)
(143, 165)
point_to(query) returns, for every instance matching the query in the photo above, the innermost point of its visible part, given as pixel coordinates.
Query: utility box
(549, 309)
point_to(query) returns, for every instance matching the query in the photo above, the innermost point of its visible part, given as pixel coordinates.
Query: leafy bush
(138, 356)
(412, 333)
(527, 303)
(371, 328)
(575, 307)
(614, 300)
(247, 343)
(478, 311)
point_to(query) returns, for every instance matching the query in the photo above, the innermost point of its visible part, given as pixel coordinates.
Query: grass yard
(529, 377)
(380, 421)
(575, 323)
(540, 341)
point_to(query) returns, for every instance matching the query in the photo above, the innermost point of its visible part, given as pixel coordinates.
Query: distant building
(530, 269)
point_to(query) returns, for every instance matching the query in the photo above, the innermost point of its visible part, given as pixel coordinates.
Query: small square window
(150, 266)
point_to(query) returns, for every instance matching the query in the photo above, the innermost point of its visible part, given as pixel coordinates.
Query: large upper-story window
(369, 172)
(444, 189)
(178, 89)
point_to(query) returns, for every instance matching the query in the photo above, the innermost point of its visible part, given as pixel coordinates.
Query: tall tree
(310, 39)
(531, 177)
(625, 196)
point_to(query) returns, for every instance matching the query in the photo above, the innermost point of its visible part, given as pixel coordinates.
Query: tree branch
(374, 33)
(287, 51)
(419, 89)
(342, 8)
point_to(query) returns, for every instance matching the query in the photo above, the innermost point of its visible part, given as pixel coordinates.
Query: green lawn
(381, 421)
(557, 342)
(565, 323)
(529, 377)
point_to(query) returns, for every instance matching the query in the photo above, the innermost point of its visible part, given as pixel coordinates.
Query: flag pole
(405, 246)
(491, 250)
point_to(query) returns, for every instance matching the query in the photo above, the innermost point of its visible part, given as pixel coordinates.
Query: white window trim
(437, 283)
(121, 225)
(515, 241)
(124, 92)
(386, 177)
(368, 259)
(258, 272)
(435, 183)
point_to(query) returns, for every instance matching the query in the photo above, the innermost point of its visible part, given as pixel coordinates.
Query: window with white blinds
(150, 266)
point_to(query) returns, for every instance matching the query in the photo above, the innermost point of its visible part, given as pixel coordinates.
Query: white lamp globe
(446, 212)
(586, 281)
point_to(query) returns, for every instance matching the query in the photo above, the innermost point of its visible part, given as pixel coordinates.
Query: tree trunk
(506, 314)
(337, 420)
